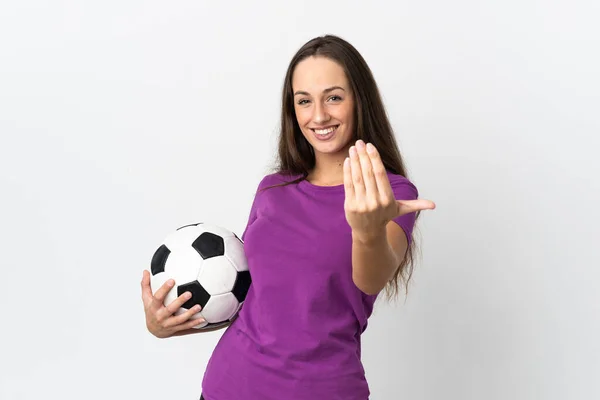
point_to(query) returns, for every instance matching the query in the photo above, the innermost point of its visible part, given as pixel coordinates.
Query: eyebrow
(324, 91)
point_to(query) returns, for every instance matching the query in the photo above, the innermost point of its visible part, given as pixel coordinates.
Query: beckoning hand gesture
(370, 202)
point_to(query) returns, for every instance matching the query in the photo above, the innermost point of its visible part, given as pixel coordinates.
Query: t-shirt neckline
(317, 188)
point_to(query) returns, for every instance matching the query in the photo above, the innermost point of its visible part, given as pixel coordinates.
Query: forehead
(314, 74)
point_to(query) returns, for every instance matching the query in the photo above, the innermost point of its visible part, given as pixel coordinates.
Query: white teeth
(324, 131)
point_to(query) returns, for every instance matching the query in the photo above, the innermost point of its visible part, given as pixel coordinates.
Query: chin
(329, 148)
(334, 145)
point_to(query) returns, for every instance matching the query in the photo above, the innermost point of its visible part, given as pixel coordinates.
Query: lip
(323, 138)
(324, 127)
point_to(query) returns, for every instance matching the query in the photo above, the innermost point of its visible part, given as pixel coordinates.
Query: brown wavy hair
(295, 154)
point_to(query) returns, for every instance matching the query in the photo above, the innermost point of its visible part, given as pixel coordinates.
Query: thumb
(410, 206)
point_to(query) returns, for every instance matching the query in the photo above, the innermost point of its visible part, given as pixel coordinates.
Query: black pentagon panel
(241, 286)
(185, 226)
(199, 295)
(209, 245)
(159, 259)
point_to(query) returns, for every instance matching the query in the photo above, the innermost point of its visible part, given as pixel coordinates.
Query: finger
(410, 206)
(348, 186)
(146, 289)
(172, 307)
(159, 297)
(371, 193)
(191, 323)
(383, 183)
(184, 317)
(357, 180)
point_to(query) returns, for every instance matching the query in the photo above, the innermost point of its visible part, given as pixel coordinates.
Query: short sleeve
(251, 217)
(253, 209)
(404, 190)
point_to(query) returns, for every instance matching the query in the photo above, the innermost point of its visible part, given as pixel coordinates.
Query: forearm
(193, 330)
(373, 261)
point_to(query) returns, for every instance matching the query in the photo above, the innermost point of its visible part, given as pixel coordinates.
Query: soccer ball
(209, 262)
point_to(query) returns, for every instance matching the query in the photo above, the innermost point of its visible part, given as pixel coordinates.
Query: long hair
(295, 154)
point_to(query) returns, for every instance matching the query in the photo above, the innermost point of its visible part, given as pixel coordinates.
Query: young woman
(328, 231)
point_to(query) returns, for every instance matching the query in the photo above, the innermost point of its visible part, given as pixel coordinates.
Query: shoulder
(275, 178)
(270, 179)
(402, 187)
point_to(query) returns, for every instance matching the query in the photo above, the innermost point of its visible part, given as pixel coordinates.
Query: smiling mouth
(325, 131)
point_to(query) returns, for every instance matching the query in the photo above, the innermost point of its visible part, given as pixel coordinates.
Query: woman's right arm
(194, 330)
(160, 319)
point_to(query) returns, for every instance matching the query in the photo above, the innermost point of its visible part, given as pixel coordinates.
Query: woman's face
(324, 104)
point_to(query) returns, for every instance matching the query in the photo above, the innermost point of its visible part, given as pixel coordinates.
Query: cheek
(302, 116)
(348, 118)
(344, 113)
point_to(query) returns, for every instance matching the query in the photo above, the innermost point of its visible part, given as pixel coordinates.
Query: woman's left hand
(370, 203)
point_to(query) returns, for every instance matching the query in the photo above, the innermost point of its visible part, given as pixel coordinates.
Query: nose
(320, 114)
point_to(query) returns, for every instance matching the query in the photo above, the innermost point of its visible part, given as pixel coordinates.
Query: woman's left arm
(375, 258)
(379, 244)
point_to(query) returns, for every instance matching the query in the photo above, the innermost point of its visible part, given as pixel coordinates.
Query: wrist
(369, 238)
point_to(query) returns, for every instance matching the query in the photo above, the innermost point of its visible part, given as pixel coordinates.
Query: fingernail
(370, 148)
(360, 144)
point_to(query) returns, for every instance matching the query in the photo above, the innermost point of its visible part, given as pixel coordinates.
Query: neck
(328, 170)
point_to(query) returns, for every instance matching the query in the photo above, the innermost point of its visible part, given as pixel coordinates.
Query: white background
(122, 120)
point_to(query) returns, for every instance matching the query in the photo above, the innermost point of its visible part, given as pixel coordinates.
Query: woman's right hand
(160, 320)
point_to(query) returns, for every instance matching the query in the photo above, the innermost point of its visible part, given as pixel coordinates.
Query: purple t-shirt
(298, 334)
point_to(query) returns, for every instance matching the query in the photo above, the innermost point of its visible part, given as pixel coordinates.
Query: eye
(302, 102)
(335, 97)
